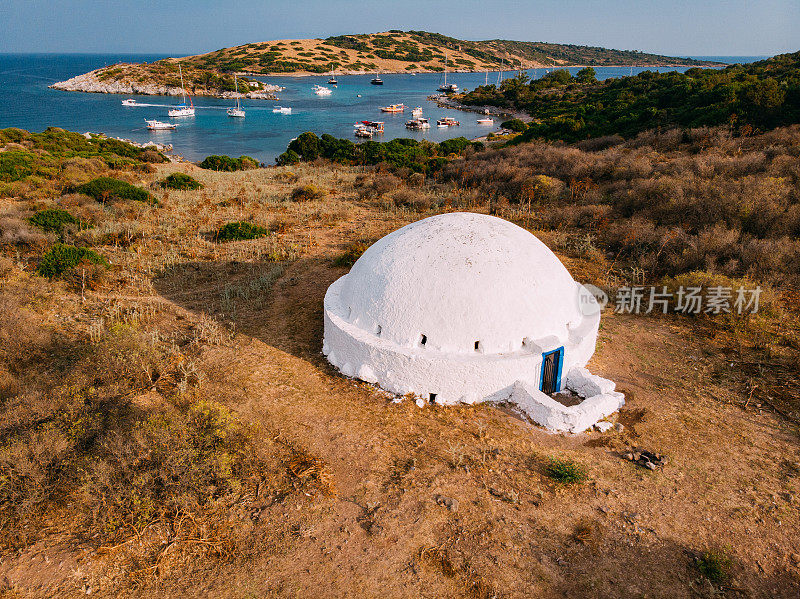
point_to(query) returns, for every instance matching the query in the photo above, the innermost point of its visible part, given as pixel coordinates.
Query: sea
(27, 102)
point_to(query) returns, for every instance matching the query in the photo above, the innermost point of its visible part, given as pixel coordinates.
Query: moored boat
(485, 121)
(445, 87)
(154, 125)
(182, 109)
(237, 110)
(376, 80)
(418, 124)
(417, 112)
(321, 90)
(394, 108)
(447, 121)
(282, 109)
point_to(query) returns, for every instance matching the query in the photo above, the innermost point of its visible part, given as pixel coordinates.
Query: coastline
(91, 83)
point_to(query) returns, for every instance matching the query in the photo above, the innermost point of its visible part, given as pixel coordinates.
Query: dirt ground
(453, 501)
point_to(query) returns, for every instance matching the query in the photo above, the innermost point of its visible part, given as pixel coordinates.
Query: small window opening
(433, 397)
(477, 346)
(378, 330)
(423, 340)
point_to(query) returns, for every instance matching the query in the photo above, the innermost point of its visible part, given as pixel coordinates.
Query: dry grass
(177, 430)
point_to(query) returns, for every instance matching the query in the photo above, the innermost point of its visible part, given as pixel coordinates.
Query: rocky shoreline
(91, 83)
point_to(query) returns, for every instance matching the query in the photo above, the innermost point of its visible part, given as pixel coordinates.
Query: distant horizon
(187, 27)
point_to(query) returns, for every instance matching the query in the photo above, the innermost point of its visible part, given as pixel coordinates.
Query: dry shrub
(308, 474)
(86, 276)
(169, 465)
(381, 184)
(307, 192)
(151, 156)
(16, 232)
(286, 177)
(665, 202)
(410, 198)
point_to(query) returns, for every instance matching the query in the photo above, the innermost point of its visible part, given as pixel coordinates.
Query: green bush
(715, 564)
(310, 191)
(239, 230)
(220, 162)
(181, 182)
(53, 220)
(517, 125)
(16, 165)
(565, 471)
(60, 258)
(104, 189)
(353, 252)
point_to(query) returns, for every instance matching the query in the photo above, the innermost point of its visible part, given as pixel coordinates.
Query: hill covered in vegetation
(393, 52)
(761, 95)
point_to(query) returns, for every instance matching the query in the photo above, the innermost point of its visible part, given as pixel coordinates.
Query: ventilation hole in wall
(423, 340)
(477, 346)
(378, 330)
(432, 397)
(349, 311)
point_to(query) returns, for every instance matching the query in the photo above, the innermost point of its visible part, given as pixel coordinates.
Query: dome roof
(461, 282)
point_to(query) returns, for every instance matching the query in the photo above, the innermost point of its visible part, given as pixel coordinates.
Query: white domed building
(465, 307)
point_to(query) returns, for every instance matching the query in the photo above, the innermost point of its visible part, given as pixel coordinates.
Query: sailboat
(182, 109)
(332, 79)
(376, 80)
(444, 87)
(237, 111)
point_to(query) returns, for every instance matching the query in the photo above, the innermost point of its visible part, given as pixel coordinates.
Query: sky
(180, 27)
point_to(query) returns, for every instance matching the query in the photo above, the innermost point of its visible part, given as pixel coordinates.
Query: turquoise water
(27, 102)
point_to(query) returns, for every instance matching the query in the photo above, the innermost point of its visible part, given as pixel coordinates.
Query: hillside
(170, 428)
(760, 95)
(388, 52)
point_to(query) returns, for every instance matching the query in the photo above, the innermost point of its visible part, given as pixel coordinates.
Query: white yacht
(236, 111)
(182, 109)
(282, 109)
(129, 102)
(154, 125)
(445, 87)
(321, 90)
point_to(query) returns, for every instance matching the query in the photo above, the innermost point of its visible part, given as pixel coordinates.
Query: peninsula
(395, 51)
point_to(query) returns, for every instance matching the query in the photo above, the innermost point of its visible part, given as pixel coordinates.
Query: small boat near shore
(154, 125)
(129, 102)
(376, 80)
(368, 128)
(417, 112)
(485, 121)
(282, 109)
(394, 108)
(447, 121)
(418, 124)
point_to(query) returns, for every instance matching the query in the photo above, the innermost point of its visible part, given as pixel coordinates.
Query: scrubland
(169, 427)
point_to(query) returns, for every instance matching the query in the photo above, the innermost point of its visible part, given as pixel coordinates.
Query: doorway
(551, 371)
